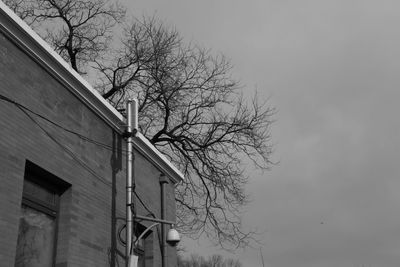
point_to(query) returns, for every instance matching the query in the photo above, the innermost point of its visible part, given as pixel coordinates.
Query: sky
(332, 70)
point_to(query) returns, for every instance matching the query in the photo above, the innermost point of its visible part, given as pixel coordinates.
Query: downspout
(163, 182)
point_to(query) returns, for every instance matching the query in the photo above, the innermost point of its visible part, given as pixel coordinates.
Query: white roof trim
(30, 42)
(40, 51)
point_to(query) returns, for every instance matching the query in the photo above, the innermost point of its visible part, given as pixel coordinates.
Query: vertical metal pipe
(129, 171)
(163, 181)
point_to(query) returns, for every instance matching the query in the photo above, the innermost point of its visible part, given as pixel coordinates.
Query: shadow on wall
(116, 257)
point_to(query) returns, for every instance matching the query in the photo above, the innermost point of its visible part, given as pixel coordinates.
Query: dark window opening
(37, 239)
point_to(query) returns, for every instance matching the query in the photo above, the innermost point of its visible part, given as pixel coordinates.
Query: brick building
(63, 162)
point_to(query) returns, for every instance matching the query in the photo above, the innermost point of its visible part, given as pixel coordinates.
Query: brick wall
(92, 208)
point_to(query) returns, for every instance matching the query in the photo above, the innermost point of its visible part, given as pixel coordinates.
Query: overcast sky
(332, 69)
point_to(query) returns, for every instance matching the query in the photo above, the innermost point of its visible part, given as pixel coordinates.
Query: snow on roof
(41, 52)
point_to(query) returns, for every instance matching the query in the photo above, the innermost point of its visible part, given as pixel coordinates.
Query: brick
(88, 206)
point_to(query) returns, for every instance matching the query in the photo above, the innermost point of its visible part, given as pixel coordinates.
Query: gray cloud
(332, 70)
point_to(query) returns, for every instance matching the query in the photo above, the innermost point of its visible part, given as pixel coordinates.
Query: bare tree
(79, 30)
(190, 108)
(195, 260)
(22, 8)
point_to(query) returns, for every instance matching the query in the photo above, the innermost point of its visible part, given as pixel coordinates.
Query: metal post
(163, 181)
(145, 232)
(144, 218)
(129, 172)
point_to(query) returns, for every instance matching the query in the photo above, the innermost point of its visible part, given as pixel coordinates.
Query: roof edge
(40, 51)
(31, 43)
(143, 145)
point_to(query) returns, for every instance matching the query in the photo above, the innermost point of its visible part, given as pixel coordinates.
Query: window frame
(38, 204)
(44, 179)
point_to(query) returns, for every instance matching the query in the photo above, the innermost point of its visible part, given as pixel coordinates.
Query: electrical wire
(81, 136)
(25, 110)
(144, 205)
(66, 149)
(153, 215)
(120, 239)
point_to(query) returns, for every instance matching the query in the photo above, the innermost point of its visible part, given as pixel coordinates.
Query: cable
(72, 154)
(25, 110)
(85, 138)
(120, 239)
(144, 205)
(153, 215)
